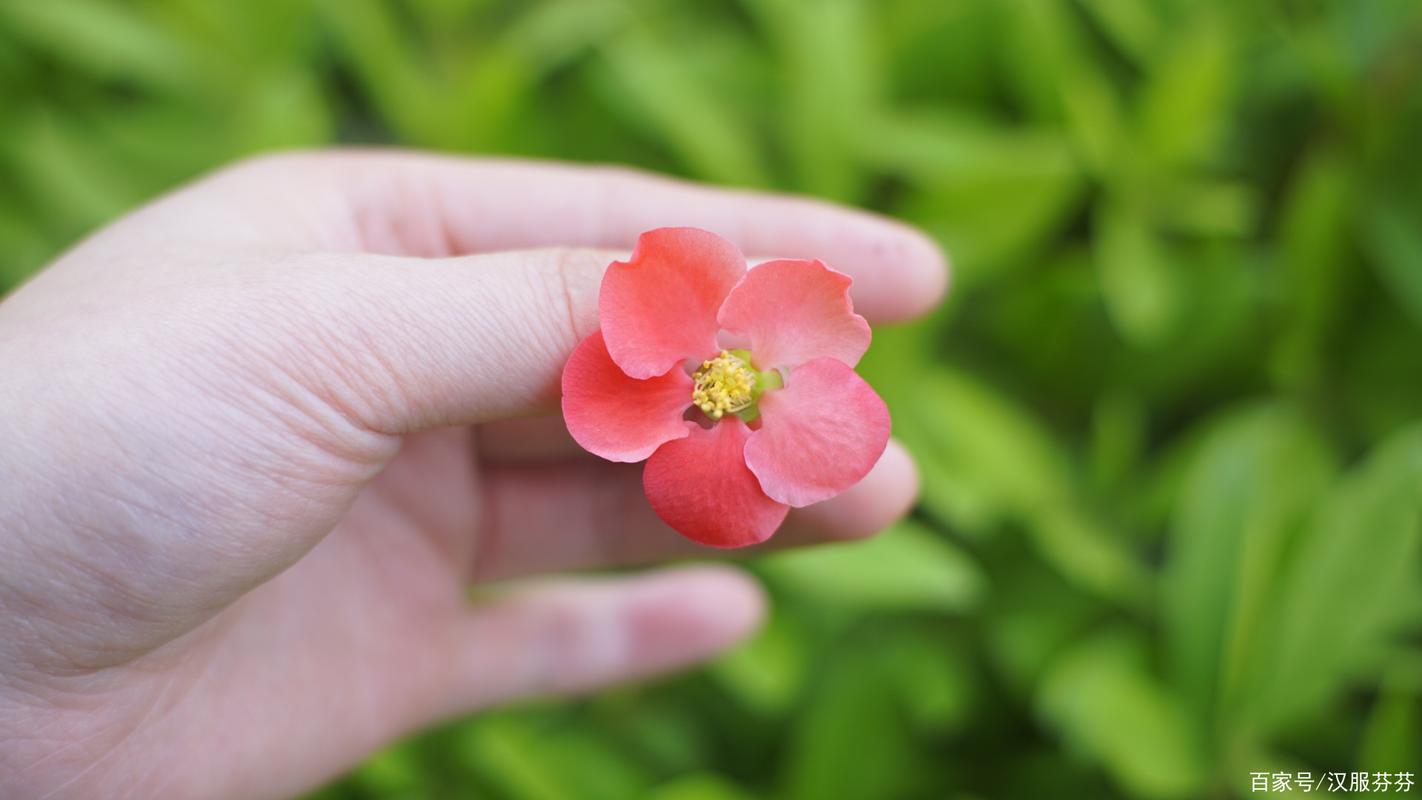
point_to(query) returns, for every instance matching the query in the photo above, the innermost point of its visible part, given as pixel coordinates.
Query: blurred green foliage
(1170, 422)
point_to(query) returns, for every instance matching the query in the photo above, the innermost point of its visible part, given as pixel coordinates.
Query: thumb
(407, 344)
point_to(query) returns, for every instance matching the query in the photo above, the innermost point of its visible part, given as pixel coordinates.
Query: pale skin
(260, 436)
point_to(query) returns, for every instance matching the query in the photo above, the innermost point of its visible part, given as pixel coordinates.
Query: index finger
(412, 204)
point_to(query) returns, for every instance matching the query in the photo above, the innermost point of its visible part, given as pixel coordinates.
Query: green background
(1170, 422)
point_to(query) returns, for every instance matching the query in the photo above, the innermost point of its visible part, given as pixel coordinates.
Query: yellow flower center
(724, 385)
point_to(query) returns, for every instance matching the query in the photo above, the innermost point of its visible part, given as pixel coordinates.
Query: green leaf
(1119, 427)
(1088, 553)
(986, 461)
(108, 40)
(991, 191)
(528, 762)
(1186, 98)
(1392, 736)
(550, 35)
(984, 456)
(1136, 268)
(699, 786)
(1338, 603)
(1133, 26)
(286, 112)
(1383, 346)
(22, 248)
(1252, 484)
(767, 672)
(1313, 261)
(1052, 42)
(66, 176)
(934, 677)
(1392, 236)
(1102, 701)
(908, 568)
(1035, 617)
(656, 89)
(394, 772)
(849, 743)
(830, 82)
(1209, 208)
(501, 78)
(394, 73)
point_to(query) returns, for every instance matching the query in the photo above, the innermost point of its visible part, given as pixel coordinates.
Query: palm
(354, 636)
(345, 635)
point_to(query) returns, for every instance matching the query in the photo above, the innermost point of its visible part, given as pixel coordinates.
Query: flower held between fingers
(733, 436)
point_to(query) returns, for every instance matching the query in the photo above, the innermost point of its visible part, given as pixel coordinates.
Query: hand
(261, 434)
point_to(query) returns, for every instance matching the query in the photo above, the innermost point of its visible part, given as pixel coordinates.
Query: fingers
(540, 439)
(579, 515)
(882, 498)
(410, 204)
(572, 636)
(401, 343)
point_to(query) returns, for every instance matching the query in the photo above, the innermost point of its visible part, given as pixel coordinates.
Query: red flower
(733, 437)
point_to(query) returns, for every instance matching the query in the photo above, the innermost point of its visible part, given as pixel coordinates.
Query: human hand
(260, 435)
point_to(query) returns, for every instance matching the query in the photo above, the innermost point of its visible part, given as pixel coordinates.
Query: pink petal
(659, 308)
(617, 417)
(795, 311)
(700, 486)
(819, 435)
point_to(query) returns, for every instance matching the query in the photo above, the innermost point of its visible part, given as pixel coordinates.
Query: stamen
(723, 385)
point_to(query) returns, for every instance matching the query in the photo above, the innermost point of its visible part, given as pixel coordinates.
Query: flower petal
(700, 486)
(659, 308)
(617, 417)
(794, 311)
(819, 435)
